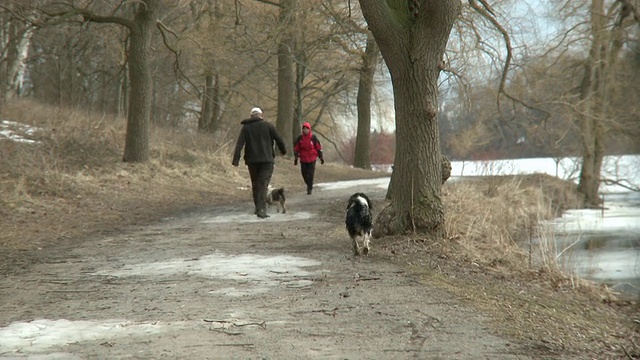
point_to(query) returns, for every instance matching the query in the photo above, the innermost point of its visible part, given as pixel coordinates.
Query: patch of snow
(41, 334)
(380, 182)
(17, 132)
(245, 218)
(260, 271)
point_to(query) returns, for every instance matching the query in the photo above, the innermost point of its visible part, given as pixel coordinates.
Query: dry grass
(73, 182)
(491, 219)
(486, 260)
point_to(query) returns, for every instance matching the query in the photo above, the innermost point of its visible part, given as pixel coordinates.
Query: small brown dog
(276, 196)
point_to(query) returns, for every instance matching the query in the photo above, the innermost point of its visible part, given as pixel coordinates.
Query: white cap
(256, 110)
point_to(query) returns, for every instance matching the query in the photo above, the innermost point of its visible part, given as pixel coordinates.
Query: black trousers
(260, 174)
(308, 170)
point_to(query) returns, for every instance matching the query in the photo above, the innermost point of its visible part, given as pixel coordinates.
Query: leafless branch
(269, 2)
(486, 12)
(60, 16)
(176, 53)
(622, 183)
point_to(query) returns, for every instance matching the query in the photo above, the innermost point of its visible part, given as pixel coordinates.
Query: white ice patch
(237, 292)
(274, 217)
(17, 132)
(258, 271)
(380, 182)
(613, 219)
(49, 356)
(610, 265)
(38, 335)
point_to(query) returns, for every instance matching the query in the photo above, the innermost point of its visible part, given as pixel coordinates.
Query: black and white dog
(359, 221)
(276, 196)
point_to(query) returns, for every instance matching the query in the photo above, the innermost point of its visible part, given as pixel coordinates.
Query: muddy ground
(219, 283)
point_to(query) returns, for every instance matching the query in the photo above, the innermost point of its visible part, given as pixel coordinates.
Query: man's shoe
(308, 191)
(262, 214)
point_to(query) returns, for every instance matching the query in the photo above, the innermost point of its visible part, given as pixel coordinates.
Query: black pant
(260, 174)
(308, 170)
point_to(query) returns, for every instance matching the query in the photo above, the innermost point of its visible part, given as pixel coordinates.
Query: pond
(601, 245)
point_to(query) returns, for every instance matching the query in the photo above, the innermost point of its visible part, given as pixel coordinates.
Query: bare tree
(286, 80)
(593, 93)
(140, 26)
(593, 102)
(370, 57)
(412, 36)
(353, 35)
(16, 32)
(209, 120)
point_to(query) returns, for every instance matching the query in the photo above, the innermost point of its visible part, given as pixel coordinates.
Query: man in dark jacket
(257, 137)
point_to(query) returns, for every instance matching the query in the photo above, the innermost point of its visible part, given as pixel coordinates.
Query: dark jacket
(257, 137)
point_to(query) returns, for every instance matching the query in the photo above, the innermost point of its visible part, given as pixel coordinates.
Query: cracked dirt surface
(218, 283)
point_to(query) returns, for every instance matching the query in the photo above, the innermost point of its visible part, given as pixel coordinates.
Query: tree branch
(176, 53)
(58, 17)
(269, 2)
(622, 183)
(486, 12)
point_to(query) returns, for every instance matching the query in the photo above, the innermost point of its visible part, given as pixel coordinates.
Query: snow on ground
(264, 270)
(41, 334)
(380, 182)
(247, 218)
(18, 132)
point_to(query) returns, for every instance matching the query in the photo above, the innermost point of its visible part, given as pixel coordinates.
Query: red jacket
(307, 147)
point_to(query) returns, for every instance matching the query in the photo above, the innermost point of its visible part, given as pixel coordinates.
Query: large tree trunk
(412, 41)
(417, 165)
(362, 158)
(284, 122)
(206, 115)
(606, 43)
(18, 65)
(136, 147)
(592, 156)
(15, 41)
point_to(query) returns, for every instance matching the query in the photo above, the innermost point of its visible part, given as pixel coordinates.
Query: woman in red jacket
(307, 149)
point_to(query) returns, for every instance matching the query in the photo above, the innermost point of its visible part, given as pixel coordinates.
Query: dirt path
(220, 283)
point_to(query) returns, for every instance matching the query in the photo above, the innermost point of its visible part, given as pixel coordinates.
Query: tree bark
(136, 147)
(284, 122)
(216, 112)
(362, 158)
(207, 105)
(606, 43)
(412, 42)
(15, 40)
(301, 72)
